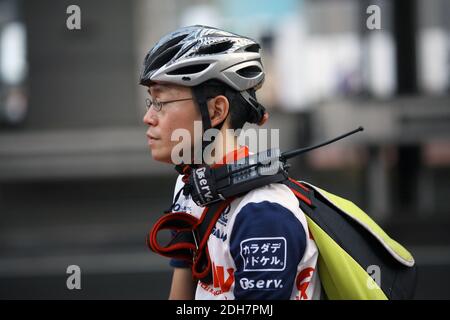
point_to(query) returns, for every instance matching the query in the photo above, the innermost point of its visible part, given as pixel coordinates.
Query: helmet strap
(199, 93)
(258, 108)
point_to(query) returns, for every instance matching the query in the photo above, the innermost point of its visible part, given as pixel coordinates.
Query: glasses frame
(157, 105)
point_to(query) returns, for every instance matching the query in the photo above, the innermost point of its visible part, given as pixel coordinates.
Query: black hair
(240, 112)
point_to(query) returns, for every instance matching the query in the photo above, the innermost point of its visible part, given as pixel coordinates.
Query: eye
(157, 104)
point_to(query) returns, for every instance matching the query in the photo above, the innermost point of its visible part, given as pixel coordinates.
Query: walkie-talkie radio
(208, 185)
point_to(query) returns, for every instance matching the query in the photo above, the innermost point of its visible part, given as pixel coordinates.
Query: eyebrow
(158, 87)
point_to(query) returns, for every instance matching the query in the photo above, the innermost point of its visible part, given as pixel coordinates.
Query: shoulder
(270, 211)
(275, 195)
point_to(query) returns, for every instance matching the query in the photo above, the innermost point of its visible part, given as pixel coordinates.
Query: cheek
(182, 119)
(175, 126)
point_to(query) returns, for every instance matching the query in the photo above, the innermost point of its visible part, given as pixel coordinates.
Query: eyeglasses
(157, 105)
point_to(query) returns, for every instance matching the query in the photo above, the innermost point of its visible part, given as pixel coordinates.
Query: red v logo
(219, 278)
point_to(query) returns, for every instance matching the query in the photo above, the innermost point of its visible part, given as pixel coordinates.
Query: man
(260, 247)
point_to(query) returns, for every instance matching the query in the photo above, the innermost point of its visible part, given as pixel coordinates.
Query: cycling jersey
(260, 248)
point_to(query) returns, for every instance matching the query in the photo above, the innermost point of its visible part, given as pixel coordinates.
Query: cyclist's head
(212, 62)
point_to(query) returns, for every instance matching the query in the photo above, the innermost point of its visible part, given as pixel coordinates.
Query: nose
(150, 117)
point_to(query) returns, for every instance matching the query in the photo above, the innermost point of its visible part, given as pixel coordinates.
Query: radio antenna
(289, 154)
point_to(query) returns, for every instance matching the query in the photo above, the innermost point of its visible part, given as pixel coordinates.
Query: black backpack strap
(302, 192)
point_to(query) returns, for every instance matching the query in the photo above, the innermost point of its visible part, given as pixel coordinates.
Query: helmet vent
(253, 48)
(217, 47)
(189, 69)
(249, 72)
(168, 44)
(165, 57)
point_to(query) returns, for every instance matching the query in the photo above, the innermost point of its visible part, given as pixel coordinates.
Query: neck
(224, 143)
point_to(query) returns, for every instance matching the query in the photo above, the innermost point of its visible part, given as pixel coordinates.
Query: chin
(161, 157)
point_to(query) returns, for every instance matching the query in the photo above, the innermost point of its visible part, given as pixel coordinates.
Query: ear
(218, 108)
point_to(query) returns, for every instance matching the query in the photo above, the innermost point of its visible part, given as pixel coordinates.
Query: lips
(151, 139)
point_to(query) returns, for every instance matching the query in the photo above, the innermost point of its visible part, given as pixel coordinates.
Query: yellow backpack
(357, 259)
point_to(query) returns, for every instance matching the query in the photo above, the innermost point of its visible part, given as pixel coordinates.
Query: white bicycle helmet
(193, 55)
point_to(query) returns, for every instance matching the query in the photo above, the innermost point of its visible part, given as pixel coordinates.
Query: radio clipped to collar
(208, 185)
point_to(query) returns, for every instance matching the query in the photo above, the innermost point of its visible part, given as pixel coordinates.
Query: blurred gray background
(78, 185)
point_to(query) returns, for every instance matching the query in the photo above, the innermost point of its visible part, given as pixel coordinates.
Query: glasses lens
(151, 102)
(157, 105)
